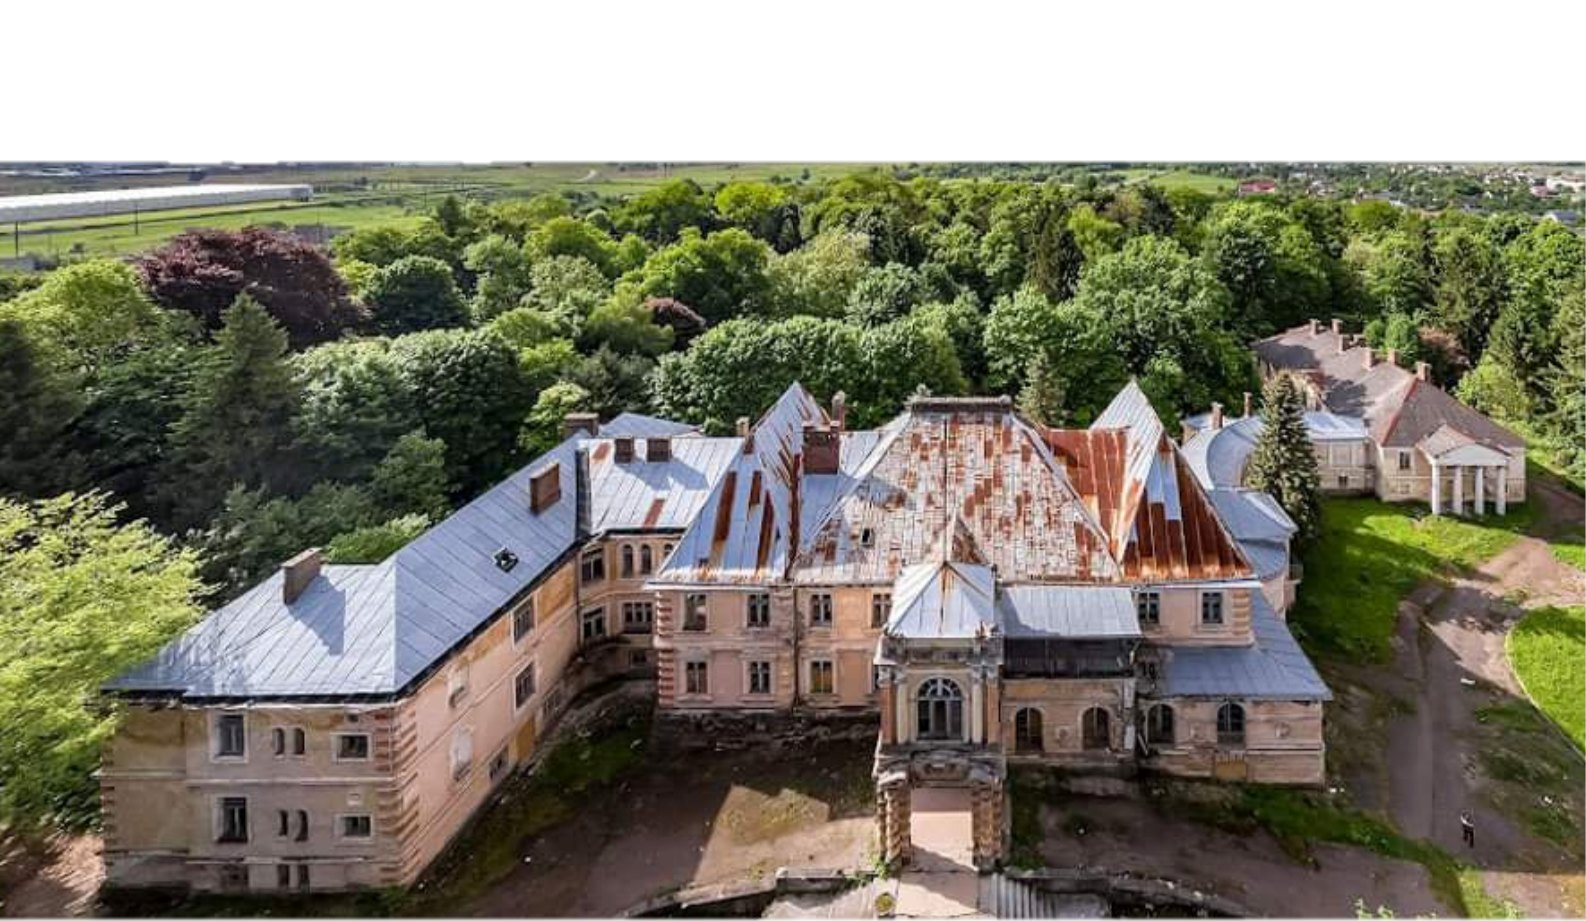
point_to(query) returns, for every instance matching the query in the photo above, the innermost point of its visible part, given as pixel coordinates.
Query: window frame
(223, 807)
(880, 609)
(696, 612)
(592, 566)
(760, 601)
(1148, 607)
(1221, 608)
(1034, 728)
(340, 739)
(1406, 461)
(524, 610)
(1155, 722)
(302, 825)
(646, 559)
(519, 699)
(829, 667)
(342, 833)
(951, 706)
(823, 604)
(299, 742)
(638, 628)
(701, 668)
(1231, 737)
(626, 565)
(1087, 732)
(769, 669)
(593, 615)
(217, 751)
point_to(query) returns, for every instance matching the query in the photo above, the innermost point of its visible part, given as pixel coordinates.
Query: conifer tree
(1041, 397)
(1283, 463)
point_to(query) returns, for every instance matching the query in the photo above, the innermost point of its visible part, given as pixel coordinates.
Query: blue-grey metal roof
(1251, 514)
(1069, 611)
(1273, 667)
(372, 630)
(943, 600)
(638, 425)
(645, 494)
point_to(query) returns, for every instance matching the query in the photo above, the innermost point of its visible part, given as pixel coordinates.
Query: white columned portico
(1459, 490)
(1481, 491)
(1437, 490)
(1503, 490)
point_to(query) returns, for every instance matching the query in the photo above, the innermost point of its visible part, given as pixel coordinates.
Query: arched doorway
(940, 710)
(1027, 731)
(1096, 729)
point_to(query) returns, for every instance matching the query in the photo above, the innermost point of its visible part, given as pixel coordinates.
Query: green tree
(542, 431)
(900, 357)
(567, 236)
(720, 276)
(818, 277)
(1042, 396)
(124, 432)
(412, 478)
(1566, 387)
(662, 214)
(613, 381)
(236, 421)
(1470, 287)
(885, 293)
(567, 289)
(1093, 234)
(502, 271)
(373, 543)
(83, 597)
(1274, 271)
(1495, 390)
(1283, 463)
(762, 209)
(383, 244)
(38, 403)
(625, 327)
(1394, 273)
(355, 405)
(84, 315)
(415, 293)
(255, 532)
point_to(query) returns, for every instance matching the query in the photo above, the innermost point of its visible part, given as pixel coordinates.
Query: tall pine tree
(1283, 463)
(235, 426)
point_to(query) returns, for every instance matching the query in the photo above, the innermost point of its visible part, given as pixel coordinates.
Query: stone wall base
(711, 730)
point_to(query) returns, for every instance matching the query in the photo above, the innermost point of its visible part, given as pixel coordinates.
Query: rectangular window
(462, 752)
(231, 736)
(696, 678)
(1148, 605)
(646, 560)
(694, 612)
(352, 746)
(1211, 607)
(821, 610)
(1343, 481)
(357, 826)
(638, 616)
(233, 820)
(627, 561)
(759, 610)
(498, 765)
(234, 877)
(283, 876)
(593, 625)
(523, 686)
(593, 565)
(759, 677)
(1404, 460)
(283, 823)
(880, 609)
(523, 619)
(302, 876)
(822, 677)
(302, 825)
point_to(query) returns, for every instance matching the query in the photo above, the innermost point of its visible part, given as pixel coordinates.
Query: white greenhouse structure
(22, 209)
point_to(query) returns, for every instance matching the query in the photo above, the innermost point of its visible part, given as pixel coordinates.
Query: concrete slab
(950, 894)
(942, 830)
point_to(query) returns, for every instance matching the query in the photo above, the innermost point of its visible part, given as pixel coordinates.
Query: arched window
(1027, 735)
(627, 561)
(646, 559)
(299, 741)
(1159, 725)
(1095, 729)
(941, 710)
(278, 740)
(1230, 724)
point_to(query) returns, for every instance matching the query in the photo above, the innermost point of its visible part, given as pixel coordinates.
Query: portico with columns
(1468, 477)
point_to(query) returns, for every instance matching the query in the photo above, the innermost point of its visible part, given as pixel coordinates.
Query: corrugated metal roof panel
(654, 494)
(638, 425)
(1069, 611)
(1272, 667)
(943, 600)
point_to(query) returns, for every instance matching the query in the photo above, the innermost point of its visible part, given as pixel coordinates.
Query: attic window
(867, 537)
(505, 559)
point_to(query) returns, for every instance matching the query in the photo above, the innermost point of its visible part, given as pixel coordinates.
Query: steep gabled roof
(1162, 526)
(1426, 409)
(943, 599)
(746, 531)
(958, 473)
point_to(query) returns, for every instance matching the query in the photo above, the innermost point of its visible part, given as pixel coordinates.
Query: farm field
(1180, 178)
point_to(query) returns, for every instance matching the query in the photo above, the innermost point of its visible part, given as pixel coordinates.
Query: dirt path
(57, 878)
(1449, 664)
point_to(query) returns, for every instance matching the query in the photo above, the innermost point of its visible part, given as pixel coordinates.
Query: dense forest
(174, 427)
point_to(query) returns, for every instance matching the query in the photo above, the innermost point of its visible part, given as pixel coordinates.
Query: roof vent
(505, 559)
(298, 573)
(658, 449)
(624, 449)
(545, 488)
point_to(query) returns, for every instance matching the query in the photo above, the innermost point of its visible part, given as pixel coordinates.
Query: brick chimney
(545, 488)
(623, 449)
(1217, 416)
(1248, 404)
(1368, 358)
(298, 573)
(580, 422)
(658, 449)
(1423, 371)
(746, 433)
(840, 410)
(820, 448)
(1392, 357)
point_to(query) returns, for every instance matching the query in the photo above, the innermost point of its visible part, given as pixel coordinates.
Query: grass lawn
(1548, 652)
(1371, 554)
(1570, 551)
(1179, 178)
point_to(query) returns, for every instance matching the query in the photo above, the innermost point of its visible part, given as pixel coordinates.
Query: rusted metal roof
(1160, 523)
(653, 495)
(958, 479)
(744, 531)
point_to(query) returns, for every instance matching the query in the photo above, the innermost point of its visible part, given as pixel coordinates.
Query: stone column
(993, 709)
(893, 808)
(1503, 490)
(977, 721)
(1437, 490)
(986, 821)
(900, 693)
(1481, 491)
(1459, 490)
(889, 712)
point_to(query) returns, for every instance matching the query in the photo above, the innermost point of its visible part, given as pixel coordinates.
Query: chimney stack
(820, 449)
(1248, 404)
(840, 410)
(658, 448)
(1392, 356)
(1217, 416)
(623, 448)
(1314, 327)
(545, 488)
(1368, 358)
(746, 433)
(298, 573)
(1423, 371)
(588, 423)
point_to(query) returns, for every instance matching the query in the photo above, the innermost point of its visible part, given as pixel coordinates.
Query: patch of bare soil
(57, 877)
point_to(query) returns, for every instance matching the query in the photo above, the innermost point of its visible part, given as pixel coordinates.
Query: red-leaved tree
(203, 271)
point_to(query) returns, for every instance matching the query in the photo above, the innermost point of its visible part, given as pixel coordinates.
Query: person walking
(1467, 828)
